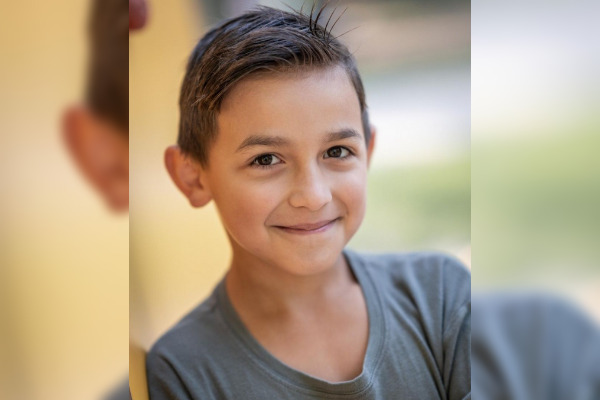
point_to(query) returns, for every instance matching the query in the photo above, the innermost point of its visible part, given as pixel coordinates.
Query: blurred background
(535, 138)
(535, 198)
(63, 255)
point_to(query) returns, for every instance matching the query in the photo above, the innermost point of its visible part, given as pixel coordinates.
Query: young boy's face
(288, 169)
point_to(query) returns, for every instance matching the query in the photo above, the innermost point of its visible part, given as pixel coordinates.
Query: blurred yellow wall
(64, 256)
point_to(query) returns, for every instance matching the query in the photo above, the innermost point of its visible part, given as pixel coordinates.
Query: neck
(269, 290)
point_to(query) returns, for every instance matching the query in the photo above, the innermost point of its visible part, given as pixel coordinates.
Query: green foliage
(536, 207)
(417, 207)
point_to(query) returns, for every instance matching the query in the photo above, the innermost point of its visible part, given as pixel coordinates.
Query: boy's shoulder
(195, 355)
(187, 338)
(421, 268)
(427, 280)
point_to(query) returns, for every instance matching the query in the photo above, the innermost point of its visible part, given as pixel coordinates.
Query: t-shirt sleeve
(456, 335)
(534, 346)
(164, 383)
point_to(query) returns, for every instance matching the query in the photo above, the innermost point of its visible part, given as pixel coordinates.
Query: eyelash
(350, 152)
(255, 163)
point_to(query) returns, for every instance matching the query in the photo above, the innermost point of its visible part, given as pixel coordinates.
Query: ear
(188, 176)
(371, 145)
(101, 152)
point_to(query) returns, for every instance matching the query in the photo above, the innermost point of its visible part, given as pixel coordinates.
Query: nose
(310, 189)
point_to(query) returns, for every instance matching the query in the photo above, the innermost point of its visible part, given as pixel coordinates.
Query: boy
(274, 129)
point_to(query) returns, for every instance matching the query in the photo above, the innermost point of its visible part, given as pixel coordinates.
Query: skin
(101, 151)
(138, 14)
(99, 148)
(288, 173)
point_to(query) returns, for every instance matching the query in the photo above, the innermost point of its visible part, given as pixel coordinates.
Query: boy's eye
(337, 152)
(266, 160)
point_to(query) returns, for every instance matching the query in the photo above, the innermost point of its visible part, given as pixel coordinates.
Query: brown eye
(266, 160)
(337, 152)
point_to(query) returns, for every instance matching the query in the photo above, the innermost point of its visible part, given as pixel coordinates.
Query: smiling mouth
(305, 229)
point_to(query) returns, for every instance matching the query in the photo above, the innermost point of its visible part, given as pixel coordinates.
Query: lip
(309, 228)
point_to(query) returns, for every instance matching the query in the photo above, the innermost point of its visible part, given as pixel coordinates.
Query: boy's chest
(335, 353)
(328, 346)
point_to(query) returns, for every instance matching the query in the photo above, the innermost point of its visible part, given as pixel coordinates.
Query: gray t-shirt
(419, 308)
(530, 346)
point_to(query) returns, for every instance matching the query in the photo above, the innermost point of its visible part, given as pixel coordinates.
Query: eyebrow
(278, 141)
(262, 140)
(343, 134)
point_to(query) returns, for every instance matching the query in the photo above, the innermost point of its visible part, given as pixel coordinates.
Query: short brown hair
(264, 39)
(107, 91)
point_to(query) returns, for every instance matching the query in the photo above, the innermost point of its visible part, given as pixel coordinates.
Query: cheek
(245, 205)
(352, 191)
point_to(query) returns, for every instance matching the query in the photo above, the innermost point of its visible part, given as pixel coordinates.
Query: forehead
(298, 105)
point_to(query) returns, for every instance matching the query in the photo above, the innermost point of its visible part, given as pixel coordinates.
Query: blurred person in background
(97, 131)
(65, 279)
(533, 346)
